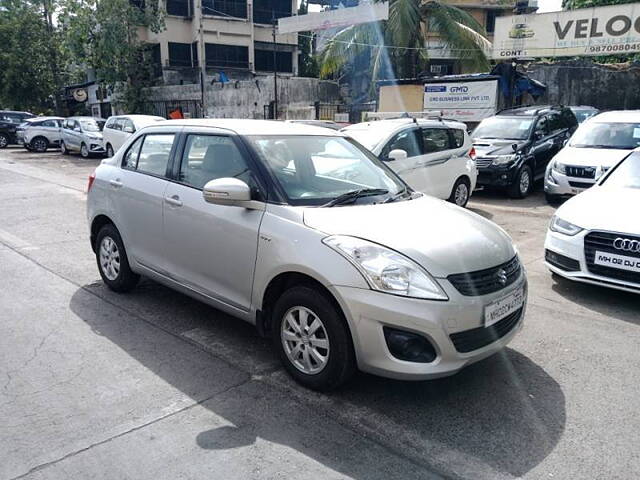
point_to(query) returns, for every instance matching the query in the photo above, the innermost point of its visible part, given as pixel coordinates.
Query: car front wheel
(63, 149)
(84, 150)
(522, 183)
(113, 263)
(312, 338)
(4, 140)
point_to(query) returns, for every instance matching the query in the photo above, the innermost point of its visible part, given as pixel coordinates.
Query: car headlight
(559, 167)
(502, 159)
(562, 226)
(385, 270)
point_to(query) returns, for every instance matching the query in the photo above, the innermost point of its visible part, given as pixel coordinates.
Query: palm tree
(397, 46)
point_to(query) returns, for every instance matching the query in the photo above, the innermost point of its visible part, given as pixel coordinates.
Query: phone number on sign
(627, 47)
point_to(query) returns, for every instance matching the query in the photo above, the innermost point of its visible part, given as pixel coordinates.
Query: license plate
(621, 262)
(503, 307)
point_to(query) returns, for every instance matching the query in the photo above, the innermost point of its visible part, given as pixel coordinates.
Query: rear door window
(154, 154)
(457, 137)
(50, 123)
(435, 140)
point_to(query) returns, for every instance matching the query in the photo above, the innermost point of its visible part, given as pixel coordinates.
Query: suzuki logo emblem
(502, 277)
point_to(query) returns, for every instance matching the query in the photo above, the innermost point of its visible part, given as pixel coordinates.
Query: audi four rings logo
(626, 244)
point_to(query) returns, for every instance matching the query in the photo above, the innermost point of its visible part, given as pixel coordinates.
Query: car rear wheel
(461, 192)
(4, 140)
(312, 338)
(113, 263)
(522, 184)
(84, 150)
(39, 144)
(109, 150)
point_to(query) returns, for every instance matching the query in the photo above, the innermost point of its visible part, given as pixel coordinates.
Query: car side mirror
(397, 154)
(230, 192)
(128, 130)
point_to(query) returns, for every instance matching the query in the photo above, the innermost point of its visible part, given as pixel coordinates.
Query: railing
(163, 108)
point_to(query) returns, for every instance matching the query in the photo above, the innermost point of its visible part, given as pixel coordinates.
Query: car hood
(442, 237)
(603, 208)
(489, 147)
(591, 157)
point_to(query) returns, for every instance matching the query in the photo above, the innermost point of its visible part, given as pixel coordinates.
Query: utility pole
(275, 70)
(203, 61)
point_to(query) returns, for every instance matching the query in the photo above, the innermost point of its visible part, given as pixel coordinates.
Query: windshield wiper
(397, 196)
(353, 195)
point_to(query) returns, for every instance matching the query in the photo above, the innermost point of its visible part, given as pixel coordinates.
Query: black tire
(454, 198)
(4, 140)
(84, 150)
(63, 149)
(552, 199)
(126, 279)
(39, 144)
(340, 364)
(109, 150)
(516, 189)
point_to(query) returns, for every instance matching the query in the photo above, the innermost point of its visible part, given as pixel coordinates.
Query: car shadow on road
(504, 414)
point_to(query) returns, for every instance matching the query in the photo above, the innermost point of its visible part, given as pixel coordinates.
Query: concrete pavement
(156, 385)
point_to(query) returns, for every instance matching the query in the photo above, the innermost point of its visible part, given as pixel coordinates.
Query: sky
(544, 6)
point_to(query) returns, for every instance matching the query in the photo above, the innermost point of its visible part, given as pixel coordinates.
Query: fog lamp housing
(409, 346)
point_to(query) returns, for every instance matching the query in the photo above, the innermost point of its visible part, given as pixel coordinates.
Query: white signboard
(342, 17)
(587, 31)
(464, 101)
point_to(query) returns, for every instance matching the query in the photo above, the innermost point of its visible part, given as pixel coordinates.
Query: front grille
(482, 162)
(483, 282)
(581, 172)
(603, 242)
(581, 184)
(470, 340)
(563, 263)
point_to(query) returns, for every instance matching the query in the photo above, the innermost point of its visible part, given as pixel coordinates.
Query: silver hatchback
(302, 232)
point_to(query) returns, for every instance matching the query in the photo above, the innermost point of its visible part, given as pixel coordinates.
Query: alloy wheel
(461, 195)
(525, 182)
(305, 340)
(109, 258)
(4, 141)
(84, 151)
(39, 145)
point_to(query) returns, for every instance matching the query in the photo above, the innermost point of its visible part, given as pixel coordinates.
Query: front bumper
(370, 311)
(497, 176)
(572, 247)
(562, 185)
(96, 146)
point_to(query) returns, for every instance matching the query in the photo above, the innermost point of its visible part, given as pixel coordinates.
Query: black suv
(9, 122)
(514, 146)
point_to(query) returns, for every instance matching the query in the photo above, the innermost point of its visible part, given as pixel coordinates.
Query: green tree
(28, 75)
(396, 46)
(307, 62)
(573, 4)
(103, 35)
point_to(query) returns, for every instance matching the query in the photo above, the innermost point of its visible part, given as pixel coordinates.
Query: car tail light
(472, 153)
(92, 177)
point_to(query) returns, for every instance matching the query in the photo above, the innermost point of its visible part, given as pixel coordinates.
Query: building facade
(234, 38)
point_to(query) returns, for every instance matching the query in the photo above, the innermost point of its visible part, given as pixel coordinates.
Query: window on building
(264, 61)
(264, 11)
(225, 8)
(180, 8)
(233, 56)
(180, 54)
(490, 22)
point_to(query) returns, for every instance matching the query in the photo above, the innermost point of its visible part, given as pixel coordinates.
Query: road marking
(15, 242)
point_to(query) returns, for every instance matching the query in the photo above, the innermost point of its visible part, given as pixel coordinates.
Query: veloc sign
(340, 18)
(588, 31)
(464, 101)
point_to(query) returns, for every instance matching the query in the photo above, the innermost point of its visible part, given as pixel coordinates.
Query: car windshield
(504, 128)
(367, 137)
(626, 174)
(314, 170)
(606, 135)
(92, 125)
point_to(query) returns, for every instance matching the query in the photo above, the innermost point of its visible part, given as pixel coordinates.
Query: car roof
(87, 117)
(252, 127)
(396, 123)
(617, 116)
(136, 116)
(582, 107)
(16, 111)
(528, 111)
(38, 119)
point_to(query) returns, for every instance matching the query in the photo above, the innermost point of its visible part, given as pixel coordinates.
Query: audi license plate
(503, 307)
(621, 262)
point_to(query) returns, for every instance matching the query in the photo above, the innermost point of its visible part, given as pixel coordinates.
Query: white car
(595, 236)
(598, 144)
(119, 128)
(432, 156)
(40, 133)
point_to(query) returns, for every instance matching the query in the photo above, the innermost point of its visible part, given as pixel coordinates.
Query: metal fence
(351, 112)
(171, 108)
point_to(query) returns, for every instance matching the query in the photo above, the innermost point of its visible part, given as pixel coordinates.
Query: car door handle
(115, 183)
(175, 201)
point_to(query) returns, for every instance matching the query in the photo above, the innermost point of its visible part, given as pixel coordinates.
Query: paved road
(155, 385)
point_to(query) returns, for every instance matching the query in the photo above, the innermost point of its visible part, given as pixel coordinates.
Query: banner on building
(339, 18)
(610, 30)
(464, 101)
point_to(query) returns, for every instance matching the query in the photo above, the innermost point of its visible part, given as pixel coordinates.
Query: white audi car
(595, 236)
